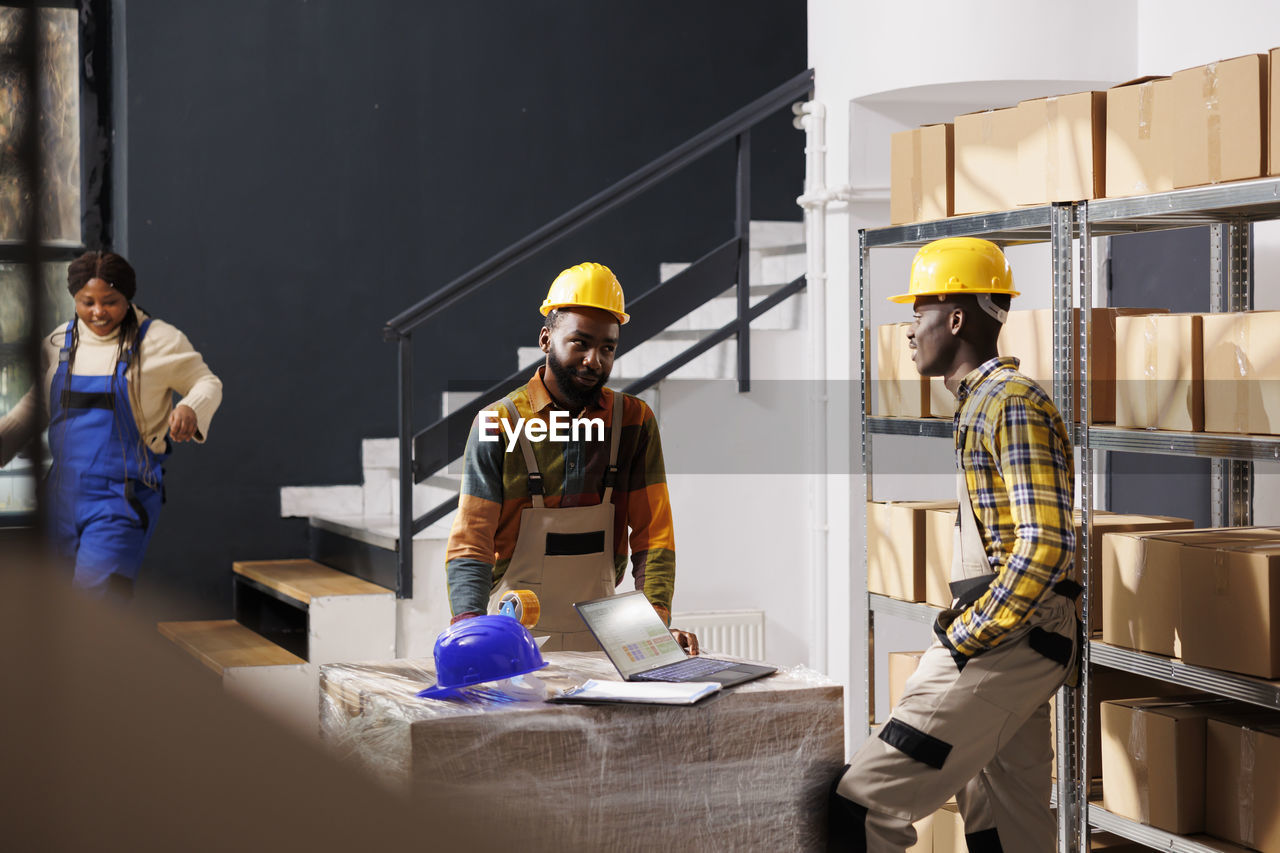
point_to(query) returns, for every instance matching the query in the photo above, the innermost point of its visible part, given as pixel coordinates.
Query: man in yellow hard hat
(974, 719)
(557, 511)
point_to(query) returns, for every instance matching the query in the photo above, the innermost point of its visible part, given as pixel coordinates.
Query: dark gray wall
(1161, 269)
(299, 172)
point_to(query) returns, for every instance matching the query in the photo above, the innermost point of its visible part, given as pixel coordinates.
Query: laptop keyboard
(685, 670)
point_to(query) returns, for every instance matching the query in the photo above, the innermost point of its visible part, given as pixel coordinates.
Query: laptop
(640, 646)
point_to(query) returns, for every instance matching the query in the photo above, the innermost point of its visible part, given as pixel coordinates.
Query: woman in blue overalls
(112, 373)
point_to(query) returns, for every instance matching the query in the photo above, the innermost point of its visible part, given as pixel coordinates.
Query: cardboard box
(986, 160)
(1153, 753)
(942, 403)
(939, 545)
(1142, 584)
(896, 547)
(1242, 372)
(900, 389)
(599, 769)
(1140, 137)
(1230, 609)
(1104, 523)
(1160, 372)
(1142, 588)
(1273, 111)
(902, 665)
(1242, 781)
(1107, 684)
(921, 162)
(1220, 127)
(1062, 151)
(1028, 336)
(948, 831)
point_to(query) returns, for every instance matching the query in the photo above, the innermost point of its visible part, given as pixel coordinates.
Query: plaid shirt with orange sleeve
(495, 491)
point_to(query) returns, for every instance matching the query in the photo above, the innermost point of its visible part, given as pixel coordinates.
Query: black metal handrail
(638, 181)
(435, 443)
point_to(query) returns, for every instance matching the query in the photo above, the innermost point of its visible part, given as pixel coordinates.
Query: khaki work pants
(979, 732)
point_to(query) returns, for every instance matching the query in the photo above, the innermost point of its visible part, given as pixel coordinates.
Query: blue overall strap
(62, 401)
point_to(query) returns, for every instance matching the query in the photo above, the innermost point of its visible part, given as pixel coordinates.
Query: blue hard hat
(484, 648)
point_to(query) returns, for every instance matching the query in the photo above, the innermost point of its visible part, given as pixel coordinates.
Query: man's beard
(576, 397)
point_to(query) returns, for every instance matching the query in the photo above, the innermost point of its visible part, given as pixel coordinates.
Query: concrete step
(333, 616)
(723, 309)
(770, 233)
(225, 644)
(366, 546)
(277, 682)
(378, 496)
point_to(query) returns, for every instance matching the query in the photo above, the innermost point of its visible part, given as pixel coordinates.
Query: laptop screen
(631, 632)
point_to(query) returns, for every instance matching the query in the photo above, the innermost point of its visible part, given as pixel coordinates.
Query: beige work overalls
(564, 555)
(976, 728)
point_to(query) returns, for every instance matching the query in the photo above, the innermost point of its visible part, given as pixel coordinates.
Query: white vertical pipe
(812, 116)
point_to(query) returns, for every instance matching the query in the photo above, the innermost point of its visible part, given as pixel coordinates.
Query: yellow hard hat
(958, 265)
(587, 285)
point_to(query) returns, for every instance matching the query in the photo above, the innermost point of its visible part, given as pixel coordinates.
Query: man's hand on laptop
(687, 640)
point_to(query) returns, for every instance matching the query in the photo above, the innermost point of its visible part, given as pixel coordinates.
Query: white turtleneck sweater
(169, 365)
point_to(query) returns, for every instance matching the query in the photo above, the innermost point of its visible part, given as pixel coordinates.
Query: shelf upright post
(1085, 452)
(1071, 793)
(862, 488)
(1231, 281)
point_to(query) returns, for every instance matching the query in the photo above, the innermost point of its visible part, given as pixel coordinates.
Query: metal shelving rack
(1054, 224)
(1228, 210)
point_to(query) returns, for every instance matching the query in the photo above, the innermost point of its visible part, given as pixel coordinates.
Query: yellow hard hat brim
(547, 307)
(912, 297)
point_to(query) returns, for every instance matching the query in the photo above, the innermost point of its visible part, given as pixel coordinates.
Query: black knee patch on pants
(986, 841)
(1055, 647)
(909, 740)
(846, 821)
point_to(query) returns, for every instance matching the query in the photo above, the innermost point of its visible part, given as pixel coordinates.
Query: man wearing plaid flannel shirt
(974, 719)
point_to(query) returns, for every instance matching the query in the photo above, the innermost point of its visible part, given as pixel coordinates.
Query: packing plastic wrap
(749, 768)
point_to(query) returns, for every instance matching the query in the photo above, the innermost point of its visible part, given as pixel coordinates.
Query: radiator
(738, 633)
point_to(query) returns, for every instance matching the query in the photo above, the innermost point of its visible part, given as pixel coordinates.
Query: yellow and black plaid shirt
(1016, 456)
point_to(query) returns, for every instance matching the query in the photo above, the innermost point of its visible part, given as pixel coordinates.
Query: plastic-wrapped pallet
(748, 769)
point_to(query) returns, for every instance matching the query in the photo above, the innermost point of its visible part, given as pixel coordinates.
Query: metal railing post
(404, 419)
(744, 260)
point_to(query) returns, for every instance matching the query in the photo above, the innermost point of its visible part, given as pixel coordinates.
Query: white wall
(884, 67)
(738, 476)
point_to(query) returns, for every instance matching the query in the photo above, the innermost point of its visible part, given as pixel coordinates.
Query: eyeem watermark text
(560, 428)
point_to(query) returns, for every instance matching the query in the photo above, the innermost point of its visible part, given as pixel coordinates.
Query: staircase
(293, 615)
(361, 595)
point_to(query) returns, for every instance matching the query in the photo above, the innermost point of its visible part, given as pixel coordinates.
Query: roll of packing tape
(521, 605)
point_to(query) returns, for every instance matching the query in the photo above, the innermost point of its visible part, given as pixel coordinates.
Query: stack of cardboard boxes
(1205, 125)
(1194, 764)
(910, 546)
(1148, 369)
(1198, 763)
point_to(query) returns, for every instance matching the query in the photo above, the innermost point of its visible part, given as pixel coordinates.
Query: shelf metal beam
(1240, 200)
(1228, 684)
(911, 611)
(1025, 225)
(1245, 447)
(1157, 839)
(927, 427)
